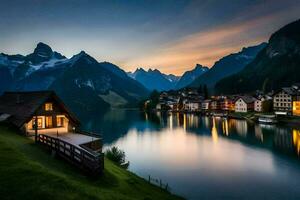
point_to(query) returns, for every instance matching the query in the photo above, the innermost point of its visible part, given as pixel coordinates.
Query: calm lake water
(205, 157)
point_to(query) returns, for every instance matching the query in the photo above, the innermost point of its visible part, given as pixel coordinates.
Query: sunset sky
(171, 36)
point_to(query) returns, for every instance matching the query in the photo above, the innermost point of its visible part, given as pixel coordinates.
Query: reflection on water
(296, 140)
(199, 155)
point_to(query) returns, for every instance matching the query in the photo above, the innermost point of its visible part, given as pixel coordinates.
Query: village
(269, 106)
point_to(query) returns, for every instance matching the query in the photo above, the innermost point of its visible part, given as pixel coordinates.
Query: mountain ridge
(74, 79)
(228, 65)
(277, 65)
(153, 79)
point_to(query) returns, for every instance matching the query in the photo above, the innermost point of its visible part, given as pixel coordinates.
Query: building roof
(246, 99)
(21, 106)
(289, 90)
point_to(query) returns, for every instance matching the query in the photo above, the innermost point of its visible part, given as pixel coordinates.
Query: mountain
(277, 65)
(35, 71)
(86, 85)
(172, 78)
(189, 76)
(154, 79)
(228, 65)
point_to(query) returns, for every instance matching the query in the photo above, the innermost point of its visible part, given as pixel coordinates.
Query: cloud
(207, 46)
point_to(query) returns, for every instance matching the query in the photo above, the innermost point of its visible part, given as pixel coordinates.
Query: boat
(267, 119)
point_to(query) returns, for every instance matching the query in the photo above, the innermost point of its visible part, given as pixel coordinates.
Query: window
(39, 123)
(48, 106)
(60, 121)
(48, 121)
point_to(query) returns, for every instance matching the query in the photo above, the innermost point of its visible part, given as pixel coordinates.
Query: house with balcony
(41, 110)
(43, 114)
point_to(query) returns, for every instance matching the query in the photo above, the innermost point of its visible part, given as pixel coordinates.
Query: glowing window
(48, 106)
(59, 121)
(48, 121)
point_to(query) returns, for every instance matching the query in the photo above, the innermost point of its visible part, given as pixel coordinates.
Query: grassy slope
(29, 172)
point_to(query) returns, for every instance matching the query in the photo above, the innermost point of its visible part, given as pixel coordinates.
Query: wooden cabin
(41, 108)
(45, 116)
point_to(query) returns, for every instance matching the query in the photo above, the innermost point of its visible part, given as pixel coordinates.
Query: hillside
(227, 65)
(27, 171)
(277, 65)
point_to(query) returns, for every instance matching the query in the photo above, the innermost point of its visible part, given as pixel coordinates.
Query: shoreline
(249, 116)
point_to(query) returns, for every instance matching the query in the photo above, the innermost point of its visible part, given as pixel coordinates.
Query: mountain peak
(201, 67)
(198, 66)
(139, 70)
(82, 55)
(154, 71)
(43, 50)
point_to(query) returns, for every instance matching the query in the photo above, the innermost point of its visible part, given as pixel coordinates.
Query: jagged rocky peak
(42, 53)
(199, 66)
(43, 50)
(154, 71)
(139, 70)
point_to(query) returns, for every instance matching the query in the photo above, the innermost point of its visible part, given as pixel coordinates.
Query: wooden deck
(70, 146)
(75, 139)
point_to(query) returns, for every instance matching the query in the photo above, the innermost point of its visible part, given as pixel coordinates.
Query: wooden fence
(159, 183)
(92, 163)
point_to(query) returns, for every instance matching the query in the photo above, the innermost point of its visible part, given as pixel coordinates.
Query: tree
(116, 155)
(149, 104)
(267, 106)
(200, 90)
(205, 91)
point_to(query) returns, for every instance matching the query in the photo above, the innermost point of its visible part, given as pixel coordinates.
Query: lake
(206, 157)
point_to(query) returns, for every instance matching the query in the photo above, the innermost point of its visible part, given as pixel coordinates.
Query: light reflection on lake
(208, 158)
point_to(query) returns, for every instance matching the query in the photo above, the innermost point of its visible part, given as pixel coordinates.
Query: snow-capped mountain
(74, 79)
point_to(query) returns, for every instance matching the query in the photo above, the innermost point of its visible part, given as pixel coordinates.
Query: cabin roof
(23, 105)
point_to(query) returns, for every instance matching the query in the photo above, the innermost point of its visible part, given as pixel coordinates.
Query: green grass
(28, 171)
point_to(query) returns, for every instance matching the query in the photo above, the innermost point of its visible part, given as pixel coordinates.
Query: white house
(244, 104)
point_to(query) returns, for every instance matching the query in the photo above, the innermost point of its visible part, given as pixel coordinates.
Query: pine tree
(205, 91)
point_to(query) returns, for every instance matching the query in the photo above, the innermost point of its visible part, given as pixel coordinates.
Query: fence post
(149, 179)
(160, 183)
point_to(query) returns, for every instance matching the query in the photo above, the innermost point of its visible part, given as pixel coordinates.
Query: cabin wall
(42, 129)
(51, 119)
